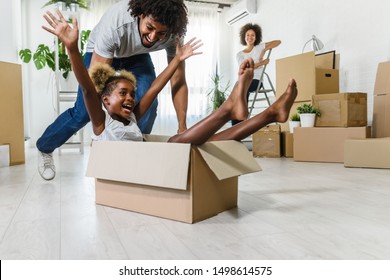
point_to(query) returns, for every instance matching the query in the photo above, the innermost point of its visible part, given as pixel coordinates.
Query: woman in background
(251, 36)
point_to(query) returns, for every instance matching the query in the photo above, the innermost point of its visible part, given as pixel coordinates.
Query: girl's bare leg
(277, 112)
(235, 107)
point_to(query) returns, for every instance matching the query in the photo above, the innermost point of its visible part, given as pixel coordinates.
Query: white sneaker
(46, 166)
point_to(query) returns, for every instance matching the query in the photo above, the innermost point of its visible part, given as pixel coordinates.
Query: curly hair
(171, 13)
(251, 26)
(105, 78)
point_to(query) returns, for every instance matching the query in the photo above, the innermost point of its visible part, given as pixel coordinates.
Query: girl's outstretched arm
(182, 53)
(69, 37)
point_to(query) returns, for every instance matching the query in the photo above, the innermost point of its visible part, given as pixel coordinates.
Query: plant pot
(293, 124)
(74, 7)
(307, 120)
(61, 6)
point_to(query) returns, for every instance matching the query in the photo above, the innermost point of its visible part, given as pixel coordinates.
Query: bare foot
(281, 108)
(239, 105)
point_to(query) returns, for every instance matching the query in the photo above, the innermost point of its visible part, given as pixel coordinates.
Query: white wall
(358, 30)
(10, 30)
(11, 42)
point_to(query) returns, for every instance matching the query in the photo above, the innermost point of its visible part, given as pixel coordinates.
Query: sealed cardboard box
(368, 153)
(381, 111)
(11, 111)
(174, 181)
(266, 142)
(310, 79)
(324, 144)
(381, 116)
(341, 109)
(287, 144)
(382, 80)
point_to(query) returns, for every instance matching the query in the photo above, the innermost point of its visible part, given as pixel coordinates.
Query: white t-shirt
(117, 131)
(255, 55)
(117, 35)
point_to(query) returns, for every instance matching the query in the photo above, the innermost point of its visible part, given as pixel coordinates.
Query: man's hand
(60, 28)
(185, 51)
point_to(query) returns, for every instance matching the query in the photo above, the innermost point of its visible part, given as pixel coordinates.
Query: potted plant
(308, 113)
(218, 93)
(295, 121)
(43, 56)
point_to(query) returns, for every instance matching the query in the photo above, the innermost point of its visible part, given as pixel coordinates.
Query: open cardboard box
(170, 180)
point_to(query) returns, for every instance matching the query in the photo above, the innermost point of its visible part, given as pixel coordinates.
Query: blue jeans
(73, 119)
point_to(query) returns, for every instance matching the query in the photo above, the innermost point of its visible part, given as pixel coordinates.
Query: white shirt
(117, 131)
(255, 55)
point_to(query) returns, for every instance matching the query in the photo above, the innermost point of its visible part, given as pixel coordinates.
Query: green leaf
(39, 60)
(42, 50)
(83, 39)
(50, 60)
(25, 55)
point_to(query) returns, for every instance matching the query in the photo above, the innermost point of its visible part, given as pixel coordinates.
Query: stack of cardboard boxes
(314, 75)
(343, 115)
(374, 152)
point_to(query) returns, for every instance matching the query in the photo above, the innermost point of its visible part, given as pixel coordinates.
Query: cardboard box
(341, 109)
(382, 80)
(326, 60)
(287, 144)
(324, 144)
(266, 142)
(369, 153)
(381, 111)
(381, 116)
(310, 80)
(11, 111)
(169, 180)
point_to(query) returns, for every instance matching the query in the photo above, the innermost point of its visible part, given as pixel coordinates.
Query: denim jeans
(73, 119)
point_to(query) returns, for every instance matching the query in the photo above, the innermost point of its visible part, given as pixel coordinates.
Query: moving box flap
(148, 163)
(228, 158)
(382, 81)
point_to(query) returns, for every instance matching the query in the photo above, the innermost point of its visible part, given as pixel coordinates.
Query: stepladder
(263, 96)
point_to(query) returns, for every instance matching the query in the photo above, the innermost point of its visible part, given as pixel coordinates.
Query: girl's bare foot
(237, 98)
(281, 108)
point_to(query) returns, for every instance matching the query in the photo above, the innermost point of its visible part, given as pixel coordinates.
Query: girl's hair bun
(100, 73)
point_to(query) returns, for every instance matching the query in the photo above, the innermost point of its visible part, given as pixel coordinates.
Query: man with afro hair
(123, 38)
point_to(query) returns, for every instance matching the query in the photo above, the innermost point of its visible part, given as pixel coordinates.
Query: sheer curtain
(203, 24)
(89, 18)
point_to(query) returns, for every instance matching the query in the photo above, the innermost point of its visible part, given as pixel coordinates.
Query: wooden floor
(290, 210)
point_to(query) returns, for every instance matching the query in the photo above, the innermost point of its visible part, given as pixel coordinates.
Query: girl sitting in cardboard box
(117, 92)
